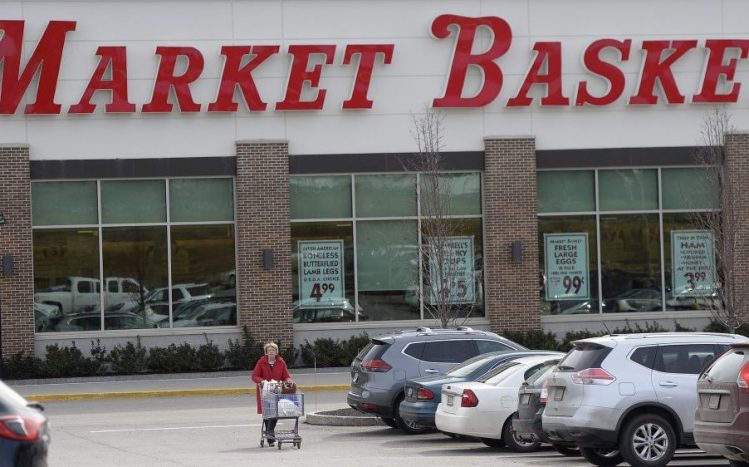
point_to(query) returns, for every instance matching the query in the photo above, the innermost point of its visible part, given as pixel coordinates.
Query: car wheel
(390, 422)
(568, 451)
(493, 443)
(602, 457)
(514, 442)
(648, 441)
(411, 428)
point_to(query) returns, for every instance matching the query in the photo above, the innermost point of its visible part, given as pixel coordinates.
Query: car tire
(493, 443)
(602, 457)
(567, 451)
(515, 443)
(659, 448)
(411, 428)
(738, 463)
(390, 422)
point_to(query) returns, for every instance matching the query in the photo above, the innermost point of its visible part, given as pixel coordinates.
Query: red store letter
(45, 59)
(715, 69)
(609, 72)
(116, 58)
(165, 80)
(300, 74)
(235, 76)
(367, 54)
(549, 53)
(463, 58)
(655, 68)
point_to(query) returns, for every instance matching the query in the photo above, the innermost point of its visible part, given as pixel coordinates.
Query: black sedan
(24, 434)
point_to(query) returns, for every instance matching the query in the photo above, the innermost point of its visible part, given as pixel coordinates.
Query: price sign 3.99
(320, 272)
(566, 266)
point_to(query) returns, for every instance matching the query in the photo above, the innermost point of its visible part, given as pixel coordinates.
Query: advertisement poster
(566, 266)
(457, 270)
(693, 256)
(320, 272)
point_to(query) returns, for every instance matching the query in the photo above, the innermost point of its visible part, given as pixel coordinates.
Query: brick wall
(262, 209)
(510, 213)
(737, 169)
(16, 291)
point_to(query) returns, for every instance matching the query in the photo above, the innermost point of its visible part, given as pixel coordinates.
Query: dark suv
(721, 424)
(380, 371)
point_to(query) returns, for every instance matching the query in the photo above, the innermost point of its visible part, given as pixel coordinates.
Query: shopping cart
(282, 407)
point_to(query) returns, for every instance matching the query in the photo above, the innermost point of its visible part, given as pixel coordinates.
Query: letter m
(45, 59)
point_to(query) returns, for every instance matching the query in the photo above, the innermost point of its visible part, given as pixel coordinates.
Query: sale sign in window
(693, 262)
(452, 277)
(567, 266)
(320, 272)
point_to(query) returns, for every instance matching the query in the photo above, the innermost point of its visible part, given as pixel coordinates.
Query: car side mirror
(35, 405)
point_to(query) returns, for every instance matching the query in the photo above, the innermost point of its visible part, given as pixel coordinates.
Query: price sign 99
(570, 282)
(694, 277)
(318, 290)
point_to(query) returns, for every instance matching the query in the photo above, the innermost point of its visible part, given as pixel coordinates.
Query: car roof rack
(423, 329)
(464, 328)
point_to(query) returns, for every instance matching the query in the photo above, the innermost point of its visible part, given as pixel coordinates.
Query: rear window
(542, 373)
(726, 368)
(469, 366)
(584, 356)
(373, 350)
(499, 370)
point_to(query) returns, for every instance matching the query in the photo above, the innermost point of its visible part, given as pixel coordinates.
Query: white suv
(630, 397)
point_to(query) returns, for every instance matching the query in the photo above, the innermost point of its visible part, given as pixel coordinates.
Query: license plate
(526, 399)
(450, 401)
(558, 394)
(714, 401)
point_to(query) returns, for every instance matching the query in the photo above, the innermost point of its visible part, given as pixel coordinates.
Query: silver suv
(630, 397)
(380, 371)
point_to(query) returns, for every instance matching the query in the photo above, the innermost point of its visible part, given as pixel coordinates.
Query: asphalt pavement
(172, 385)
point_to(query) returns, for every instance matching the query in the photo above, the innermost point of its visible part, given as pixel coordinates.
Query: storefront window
(320, 197)
(133, 201)
(689, 189)
(201, 200)
(458, 194)
(63, 203)
(385, 195)
(628, 190)
(567, 191)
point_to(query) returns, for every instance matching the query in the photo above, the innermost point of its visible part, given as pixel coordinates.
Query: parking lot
(224, 430)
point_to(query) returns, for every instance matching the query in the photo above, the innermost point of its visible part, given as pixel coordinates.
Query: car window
(374, 350)
(176, 295)
(199, 290)
(414, 349)
(112, 286)
(491, 346)
(684, 359)
(645, 356)
(542, 372)
(583, 356)
(726, 368)
(160, 296)
(497, 371)
(85, 287)
(469, 366)
(130, 287)
(452, 351)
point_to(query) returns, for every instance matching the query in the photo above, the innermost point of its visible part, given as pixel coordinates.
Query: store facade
(252, 163)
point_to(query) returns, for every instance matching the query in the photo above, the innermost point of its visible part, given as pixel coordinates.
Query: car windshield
(497, 371)
(469, 366)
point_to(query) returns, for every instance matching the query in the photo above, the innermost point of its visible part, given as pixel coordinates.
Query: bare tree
(446, 294)
(726, 223)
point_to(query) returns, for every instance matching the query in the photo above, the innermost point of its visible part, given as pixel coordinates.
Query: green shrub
(22, 365)
(534, 339)
(243, 355)
(289, 354)
(717, 326)
(67, 361)
(100, 357)
(129, 359)
(209, 357)
(351, 347)
(628, 329)
(172, 359)
(679, 328)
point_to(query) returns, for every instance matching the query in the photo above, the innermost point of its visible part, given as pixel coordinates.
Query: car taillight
(20, 428)
(743, 379)
(596, 376)
(377, 366)
(424, 394)
(544, 397)
(469, 399)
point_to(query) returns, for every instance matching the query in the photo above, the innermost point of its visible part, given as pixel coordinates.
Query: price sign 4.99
(320, 272)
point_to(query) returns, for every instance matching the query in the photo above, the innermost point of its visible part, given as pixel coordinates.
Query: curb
(321, 418)
(169, 393)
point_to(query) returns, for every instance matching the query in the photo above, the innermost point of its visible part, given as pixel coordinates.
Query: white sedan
(484, 408)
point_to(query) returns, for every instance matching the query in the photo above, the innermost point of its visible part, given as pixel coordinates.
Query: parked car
(484, 408)
(423, 394)
(532, 397)
(46, 317)
(630, 397)
(333, 311)
(380, 370)
(721, 424)
(24, 431)
(79, 294)
(91, 321)
(210, 314)
(158, 300)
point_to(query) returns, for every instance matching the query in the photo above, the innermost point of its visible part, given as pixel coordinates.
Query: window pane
(66, 272)
(200, 200)
(628, 190)
(385, 195)
(572, 191)
(452, 194)
(689, 189)
(133, 201)
(630, 258)
(63, 203)
(387, 260)
(320, 197)
(336, 305)
(135, 262)
(560, 225)
(203, 277)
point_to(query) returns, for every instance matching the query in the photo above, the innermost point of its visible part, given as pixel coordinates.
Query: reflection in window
(451, 194)
(634, 189)
(320, 197)
(566, 191)
(59, 203)
(385, 195)
(133, 201)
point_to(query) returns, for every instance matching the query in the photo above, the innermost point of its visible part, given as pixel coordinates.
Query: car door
(439, 356)
(675, 378)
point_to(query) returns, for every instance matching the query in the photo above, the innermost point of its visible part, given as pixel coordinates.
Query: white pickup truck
(79, 294)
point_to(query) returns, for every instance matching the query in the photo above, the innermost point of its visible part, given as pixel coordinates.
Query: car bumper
(727, 440)
(421, 412)
(530, 427)
(590, 427)
(464, 424)
(371, 401)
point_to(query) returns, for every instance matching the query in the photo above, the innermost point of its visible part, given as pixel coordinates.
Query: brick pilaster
(737, 171)
(262, 192)
(17, 290)
(510, 214)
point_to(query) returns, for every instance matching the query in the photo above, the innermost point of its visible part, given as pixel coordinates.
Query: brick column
(510, 214)
(262, 209)
(737, 170)
(17, 290)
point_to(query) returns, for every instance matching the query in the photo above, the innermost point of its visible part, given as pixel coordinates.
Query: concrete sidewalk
(172, 385)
